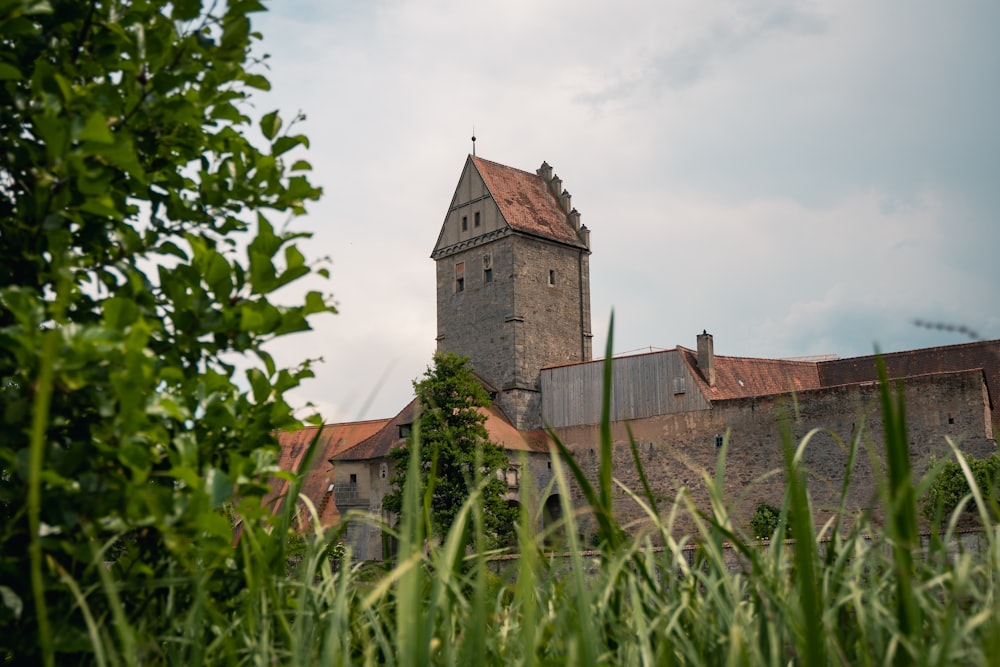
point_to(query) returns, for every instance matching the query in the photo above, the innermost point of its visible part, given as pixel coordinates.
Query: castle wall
(679, 450)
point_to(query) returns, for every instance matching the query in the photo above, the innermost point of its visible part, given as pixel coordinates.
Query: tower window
(718, 441)
(477, 219)
(487, 275)
(465, 223)
(460, 277)
(552, 277)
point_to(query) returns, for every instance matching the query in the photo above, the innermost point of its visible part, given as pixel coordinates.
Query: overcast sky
(796, 178)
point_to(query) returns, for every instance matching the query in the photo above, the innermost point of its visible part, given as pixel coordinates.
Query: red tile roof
(527, 203)
(333, 439)
(743, 377)
(500, 430)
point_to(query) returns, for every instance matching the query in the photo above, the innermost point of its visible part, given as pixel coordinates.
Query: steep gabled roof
(744, 377)
(333, 439)
(499, 428)
(527, 203)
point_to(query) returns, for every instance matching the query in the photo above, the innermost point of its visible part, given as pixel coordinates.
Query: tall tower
(513, 281)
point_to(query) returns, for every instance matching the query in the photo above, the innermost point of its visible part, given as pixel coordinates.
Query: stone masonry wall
(518, 323)
(679, 450)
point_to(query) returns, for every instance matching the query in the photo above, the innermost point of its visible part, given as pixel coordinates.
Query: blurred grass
(849, 593)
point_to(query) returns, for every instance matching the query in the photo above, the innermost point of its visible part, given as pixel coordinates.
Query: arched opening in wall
(552, 520)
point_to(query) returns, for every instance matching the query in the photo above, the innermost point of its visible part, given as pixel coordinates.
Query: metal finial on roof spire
(473, 141)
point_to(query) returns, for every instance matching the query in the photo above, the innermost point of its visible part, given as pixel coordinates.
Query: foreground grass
(854, 594)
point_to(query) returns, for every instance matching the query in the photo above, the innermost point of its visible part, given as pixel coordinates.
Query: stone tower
(513, 281)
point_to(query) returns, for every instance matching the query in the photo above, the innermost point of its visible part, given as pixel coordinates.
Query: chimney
(564, 199)
(545, 171)
(706, 357)
(556, 185)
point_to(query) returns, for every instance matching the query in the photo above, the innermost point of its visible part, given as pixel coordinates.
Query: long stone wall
(679, 450)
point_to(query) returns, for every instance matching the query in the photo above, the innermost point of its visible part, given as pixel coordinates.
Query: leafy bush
(951, 486)
(765, 521)
(138, 268)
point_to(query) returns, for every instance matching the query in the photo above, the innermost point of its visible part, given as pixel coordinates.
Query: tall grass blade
(901, 522)
(813, 636)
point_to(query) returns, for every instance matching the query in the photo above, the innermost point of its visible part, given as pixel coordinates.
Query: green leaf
(260, 385)
(9, 73)
(119, 312)
(284, 144)
(257, 81)
(96, 129)
(270, 125)
(218, 486)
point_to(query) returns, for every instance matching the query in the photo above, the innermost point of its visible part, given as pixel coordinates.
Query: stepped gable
(333, 439)
(984, 355)
(527, 203)
(744, 377)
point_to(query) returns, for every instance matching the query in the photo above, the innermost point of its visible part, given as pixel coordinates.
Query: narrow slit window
(465, 223)
(476, 223)
(460, 277)
(552, 277)
(487, 275)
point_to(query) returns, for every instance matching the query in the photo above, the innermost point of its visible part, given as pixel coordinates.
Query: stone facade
(513, 294)
(680, 450)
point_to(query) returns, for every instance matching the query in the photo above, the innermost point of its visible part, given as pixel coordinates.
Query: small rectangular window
(477, 219)
(465, 223)
(405, 430)
(552, 277)
(354, 478)
(487, 275)
(460, 277)
(718, 442)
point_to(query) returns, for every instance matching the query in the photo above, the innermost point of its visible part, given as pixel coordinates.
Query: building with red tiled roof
(513, 294)
(320, 478)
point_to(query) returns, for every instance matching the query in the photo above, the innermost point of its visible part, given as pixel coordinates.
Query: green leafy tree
(951, 486)
(138, 267)
(765, 521)
(453, 439)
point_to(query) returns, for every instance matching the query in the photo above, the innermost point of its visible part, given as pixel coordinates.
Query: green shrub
(951, 486)
(765, 521)
(138, 279)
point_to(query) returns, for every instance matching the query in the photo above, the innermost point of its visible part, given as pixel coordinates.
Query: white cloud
(798, 178)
